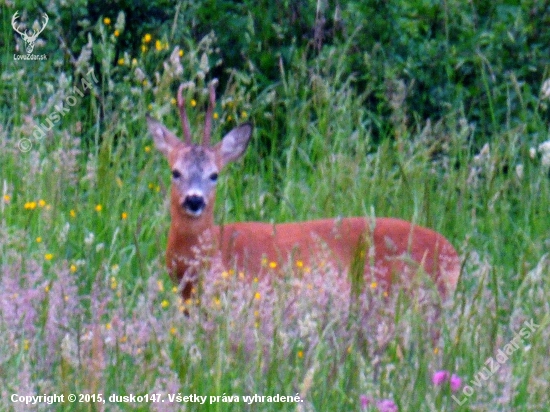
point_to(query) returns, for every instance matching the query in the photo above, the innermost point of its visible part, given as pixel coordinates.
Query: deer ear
(165, 140)
(234, 144)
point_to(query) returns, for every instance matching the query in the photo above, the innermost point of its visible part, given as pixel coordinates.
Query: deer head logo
(29, 36)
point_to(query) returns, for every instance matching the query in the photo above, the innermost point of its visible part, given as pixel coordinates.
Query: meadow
(422, 126)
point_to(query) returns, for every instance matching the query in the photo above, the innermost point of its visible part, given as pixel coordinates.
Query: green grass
(87, 307)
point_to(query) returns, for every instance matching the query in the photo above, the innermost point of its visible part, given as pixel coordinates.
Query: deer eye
(176, 174)
(214, 177)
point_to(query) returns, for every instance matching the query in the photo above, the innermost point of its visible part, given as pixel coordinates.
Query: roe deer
(396, 249)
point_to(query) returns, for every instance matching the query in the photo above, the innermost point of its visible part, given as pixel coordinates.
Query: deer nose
(194, 204)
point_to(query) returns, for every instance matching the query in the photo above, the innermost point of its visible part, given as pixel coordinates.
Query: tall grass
(86, 305)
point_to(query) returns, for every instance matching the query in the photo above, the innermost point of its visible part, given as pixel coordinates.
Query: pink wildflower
(365, 401)
(386, 405)
(440, 377)
(456, 382)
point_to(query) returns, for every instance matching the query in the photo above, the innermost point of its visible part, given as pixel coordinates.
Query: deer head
(29, 36)
(195, 167)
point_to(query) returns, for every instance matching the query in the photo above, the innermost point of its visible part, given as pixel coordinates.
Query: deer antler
(183, 115)
(46, 19)
(13, 19)
(208, 120)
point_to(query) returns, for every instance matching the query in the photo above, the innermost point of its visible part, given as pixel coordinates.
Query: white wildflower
(519, 171)
(545, 89)
(307, 326)
(140, 76)
(83, 62)
(484, 154)
(69, 350)
(89, 239)
(544, 150)
(62, 237)
(195, 354)
(120, 21)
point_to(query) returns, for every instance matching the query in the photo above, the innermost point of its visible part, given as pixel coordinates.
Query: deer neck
(190, 235)
(192, 241)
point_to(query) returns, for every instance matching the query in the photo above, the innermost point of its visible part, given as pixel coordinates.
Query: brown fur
(395, 251)
(397, 244)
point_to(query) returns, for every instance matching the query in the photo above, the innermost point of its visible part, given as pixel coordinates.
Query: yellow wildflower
(116, 33)
(244, 114)
(215, 116)
(193, 102)
(107, 21)
(124, 215)
(98, 208)
(48, 256)
(73, 268)
(165, 304)
(121, 62)
(30, 205)
(41, 203)
(72, 213)
(272, 265)
(7, 198)
(257, 296)
(300, 354)
(38, 239)
(180, 53)
(147, 38)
